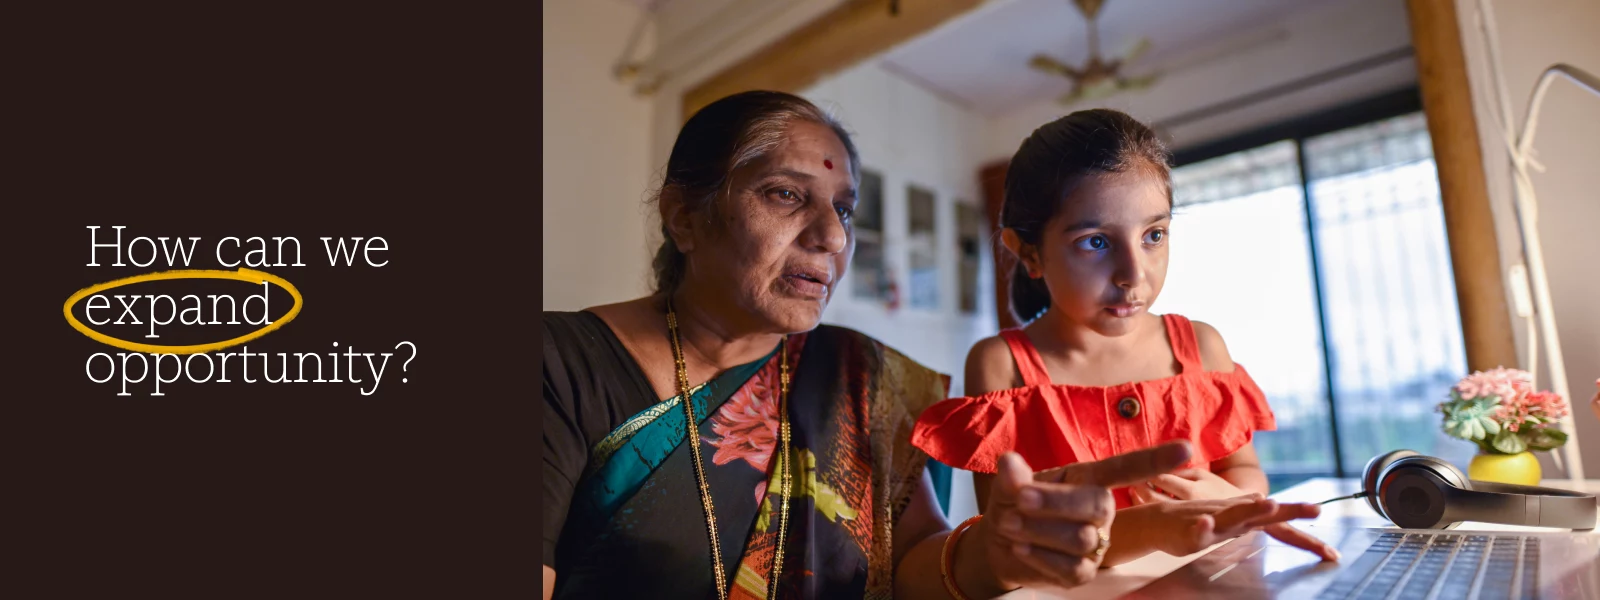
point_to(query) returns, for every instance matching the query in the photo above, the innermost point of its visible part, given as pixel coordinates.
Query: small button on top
(1128, 407)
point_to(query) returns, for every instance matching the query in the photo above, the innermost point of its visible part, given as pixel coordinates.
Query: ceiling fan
(1098, 77)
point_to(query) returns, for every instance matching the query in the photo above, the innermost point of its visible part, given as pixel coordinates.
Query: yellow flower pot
(1518, 469)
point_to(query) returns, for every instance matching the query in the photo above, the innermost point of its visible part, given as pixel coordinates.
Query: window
(869, 279)
(1393, 324)
(1322, 259)
(922, 245)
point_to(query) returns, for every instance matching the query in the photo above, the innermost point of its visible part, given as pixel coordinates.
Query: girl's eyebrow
(1093, 224)
(1084, 224)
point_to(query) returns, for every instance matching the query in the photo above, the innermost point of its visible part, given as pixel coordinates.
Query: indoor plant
(1501, 412)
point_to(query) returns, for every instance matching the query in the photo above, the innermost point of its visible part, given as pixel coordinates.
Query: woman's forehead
(811, 140)
(809, 148)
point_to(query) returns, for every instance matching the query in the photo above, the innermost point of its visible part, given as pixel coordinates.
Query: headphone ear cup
(1414, 493)
(1373, 474)
(1461, 480)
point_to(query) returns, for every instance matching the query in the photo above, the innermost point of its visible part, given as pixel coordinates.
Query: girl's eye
(1094, 243)
(1155, 236)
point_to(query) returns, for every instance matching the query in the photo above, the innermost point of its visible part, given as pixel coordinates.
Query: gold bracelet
(948, 558)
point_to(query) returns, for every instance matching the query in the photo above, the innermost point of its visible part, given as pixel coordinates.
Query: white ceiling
(645, 5)
(981, 59)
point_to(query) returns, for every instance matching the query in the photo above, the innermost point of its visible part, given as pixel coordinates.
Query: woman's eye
(1155, 236)
(845, 212)
(1094, 242)
(784, 195)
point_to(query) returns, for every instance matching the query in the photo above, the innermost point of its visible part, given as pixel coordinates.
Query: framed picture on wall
(922, 244)
(869, 278)
(969, 235)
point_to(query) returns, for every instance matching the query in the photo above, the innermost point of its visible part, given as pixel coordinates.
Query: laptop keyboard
(1442, 566)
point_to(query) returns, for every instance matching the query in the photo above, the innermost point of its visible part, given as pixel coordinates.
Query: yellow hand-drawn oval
(245, 275)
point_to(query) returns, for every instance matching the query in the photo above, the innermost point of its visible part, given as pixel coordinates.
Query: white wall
(912, 136)
(700, 38)
(1533, 34)
(1308, 43)
(597, 164)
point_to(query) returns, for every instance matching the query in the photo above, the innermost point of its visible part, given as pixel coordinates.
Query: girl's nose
(1129, 271)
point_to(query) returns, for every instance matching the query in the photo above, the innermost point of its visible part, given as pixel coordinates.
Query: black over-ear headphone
(1422, 492)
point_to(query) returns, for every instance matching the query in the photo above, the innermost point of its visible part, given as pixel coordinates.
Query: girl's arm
(1239, 472)
(989, 368)
(1242, 468)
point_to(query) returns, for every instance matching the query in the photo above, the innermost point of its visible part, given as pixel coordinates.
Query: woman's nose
(826, 232)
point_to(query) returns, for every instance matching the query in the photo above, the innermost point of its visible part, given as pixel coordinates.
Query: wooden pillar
(1458, 155)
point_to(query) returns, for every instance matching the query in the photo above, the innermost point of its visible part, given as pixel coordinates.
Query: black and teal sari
(632, 524)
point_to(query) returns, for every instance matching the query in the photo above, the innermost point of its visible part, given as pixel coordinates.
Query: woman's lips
(807, 285)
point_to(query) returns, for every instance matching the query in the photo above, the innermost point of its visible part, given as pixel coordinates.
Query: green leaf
(829, 503)
(1545, 440)
(1508, 442)
(763, 513)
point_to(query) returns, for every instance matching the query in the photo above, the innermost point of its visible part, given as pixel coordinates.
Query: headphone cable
(1350, 497)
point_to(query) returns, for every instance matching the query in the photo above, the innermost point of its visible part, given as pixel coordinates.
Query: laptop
(1394, 564)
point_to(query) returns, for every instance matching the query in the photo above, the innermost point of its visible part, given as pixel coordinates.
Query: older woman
(798, 479)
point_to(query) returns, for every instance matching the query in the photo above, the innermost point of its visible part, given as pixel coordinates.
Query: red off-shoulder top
(1052, 424)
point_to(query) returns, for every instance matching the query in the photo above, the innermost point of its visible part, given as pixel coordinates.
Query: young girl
(1088, 202)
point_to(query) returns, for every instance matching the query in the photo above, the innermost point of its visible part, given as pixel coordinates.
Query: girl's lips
(1125, 310)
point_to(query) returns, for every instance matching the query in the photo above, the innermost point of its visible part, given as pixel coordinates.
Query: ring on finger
(1105, 542)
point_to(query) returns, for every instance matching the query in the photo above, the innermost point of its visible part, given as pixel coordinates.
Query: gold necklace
(700, 471)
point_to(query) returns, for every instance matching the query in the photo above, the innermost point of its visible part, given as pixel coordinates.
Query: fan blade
(1138, 83)
(1140, 48)
(1050, 65)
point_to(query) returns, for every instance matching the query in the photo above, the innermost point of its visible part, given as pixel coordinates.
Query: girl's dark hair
(1052, 162)
(717, 140)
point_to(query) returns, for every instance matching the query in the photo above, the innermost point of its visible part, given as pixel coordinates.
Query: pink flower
(1501, 382)
(746, 425)
(1545, 404)
(1516, 410)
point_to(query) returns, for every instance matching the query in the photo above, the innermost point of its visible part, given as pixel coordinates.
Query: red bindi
(827, 163)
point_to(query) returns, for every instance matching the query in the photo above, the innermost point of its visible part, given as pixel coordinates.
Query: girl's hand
(1049, 528)
(1183, 527)
(1195, 484)
(1199, 484)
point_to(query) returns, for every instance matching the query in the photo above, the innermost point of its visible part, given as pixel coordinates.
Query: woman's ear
(1027, 253)
(676, 220)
